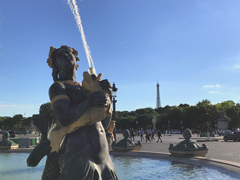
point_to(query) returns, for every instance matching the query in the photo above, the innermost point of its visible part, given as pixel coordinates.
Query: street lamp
(181, 126)
(169, 126)
(137, 125)
(114, 95)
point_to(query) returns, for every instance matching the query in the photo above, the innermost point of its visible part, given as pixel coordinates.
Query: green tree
(26, 122)
(46, 109)
(175, 118)
(204, 103)
(8, 123)
(2, 122)
(144, 120)
(17, 120)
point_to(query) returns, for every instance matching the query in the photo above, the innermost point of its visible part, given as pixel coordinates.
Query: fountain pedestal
(126, 144)
(6, 143)
(187, 147)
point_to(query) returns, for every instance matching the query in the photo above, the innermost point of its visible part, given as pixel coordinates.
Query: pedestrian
(132, 134)
(147, 137)
(149, 132)
(152, 135)
(159, 136)
(141, 133)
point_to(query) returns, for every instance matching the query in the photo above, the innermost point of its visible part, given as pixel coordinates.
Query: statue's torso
(76, 94)
(89, 142)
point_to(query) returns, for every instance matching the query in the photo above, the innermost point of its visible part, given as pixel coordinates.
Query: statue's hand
(106, 86)
(97, 99)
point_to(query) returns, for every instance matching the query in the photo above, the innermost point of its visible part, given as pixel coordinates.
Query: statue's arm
(65, 113)
(61, 104)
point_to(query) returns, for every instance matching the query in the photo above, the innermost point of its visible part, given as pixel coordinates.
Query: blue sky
(190, 46)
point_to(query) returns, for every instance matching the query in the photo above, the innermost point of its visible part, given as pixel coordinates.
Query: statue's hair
(52, 59)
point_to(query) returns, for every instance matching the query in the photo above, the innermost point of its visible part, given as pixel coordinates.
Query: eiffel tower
(158, 97)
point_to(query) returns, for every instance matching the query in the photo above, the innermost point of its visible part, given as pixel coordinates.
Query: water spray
(74, 9)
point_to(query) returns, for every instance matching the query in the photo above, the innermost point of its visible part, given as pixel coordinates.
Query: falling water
(74, 9)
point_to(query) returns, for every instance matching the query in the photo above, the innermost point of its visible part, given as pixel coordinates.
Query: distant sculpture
(84, 113)
(154, 120)
(187, 147)
(126, 144)
(222, 122)
(6, 143)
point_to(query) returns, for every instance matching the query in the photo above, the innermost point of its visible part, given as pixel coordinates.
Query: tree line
(201, 116)
(20, 123)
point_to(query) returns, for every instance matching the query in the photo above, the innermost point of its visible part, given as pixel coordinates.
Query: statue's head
(62, 59)
(187, 134)
(126, 134)
(6, 135)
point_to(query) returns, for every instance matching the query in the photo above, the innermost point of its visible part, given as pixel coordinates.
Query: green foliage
(8, 123)
(46, 109)
(204, 103)
(173, 117)
(26, 122)
(17, 119)
(197, 117)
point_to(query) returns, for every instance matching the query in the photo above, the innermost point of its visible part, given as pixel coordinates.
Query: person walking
(147, 137)
(159, 136)
(149, 132)
(132, 134)
(152, 135)
(141, 134)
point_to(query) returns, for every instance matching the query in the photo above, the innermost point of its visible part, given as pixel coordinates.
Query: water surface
(13, 166)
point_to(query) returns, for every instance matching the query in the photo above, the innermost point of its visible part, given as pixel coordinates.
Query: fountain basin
(202, 153)
(128, 148)
(130, 165)
(230, 168)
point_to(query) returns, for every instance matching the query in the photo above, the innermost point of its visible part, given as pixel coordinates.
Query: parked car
(235, 136)
(175, 131)
(223, 132)
(12, 133)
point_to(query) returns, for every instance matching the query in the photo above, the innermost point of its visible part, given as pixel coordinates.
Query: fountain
(187, 147)
(126, 144)
(6, 143)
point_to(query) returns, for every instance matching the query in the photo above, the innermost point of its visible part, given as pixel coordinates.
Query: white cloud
(236, 66)
(213, 92)
(121, 43)
(208, 86)
(211, 86)
(14, 106)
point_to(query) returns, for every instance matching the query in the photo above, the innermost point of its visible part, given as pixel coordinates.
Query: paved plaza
(228, 151)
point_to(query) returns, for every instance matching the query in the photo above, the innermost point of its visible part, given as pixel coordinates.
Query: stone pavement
(228, 151)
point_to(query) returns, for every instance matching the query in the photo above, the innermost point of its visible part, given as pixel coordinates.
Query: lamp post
(181, 126)
(169, 126)
(114, 89)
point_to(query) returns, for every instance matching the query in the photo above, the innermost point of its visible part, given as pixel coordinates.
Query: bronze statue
(84, 112)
